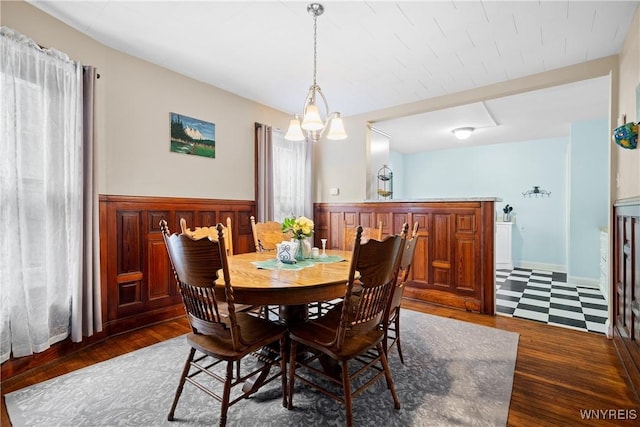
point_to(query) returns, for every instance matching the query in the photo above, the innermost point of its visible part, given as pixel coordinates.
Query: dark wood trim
(454, 261)
(626, 287)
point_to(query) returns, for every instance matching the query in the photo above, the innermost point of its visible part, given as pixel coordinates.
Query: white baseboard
(586, 282)
(541, 266)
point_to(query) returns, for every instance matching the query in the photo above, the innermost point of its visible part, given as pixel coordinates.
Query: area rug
(455, 374)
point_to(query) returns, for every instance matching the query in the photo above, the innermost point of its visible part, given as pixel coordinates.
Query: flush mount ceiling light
(313, 125)
(463, 133)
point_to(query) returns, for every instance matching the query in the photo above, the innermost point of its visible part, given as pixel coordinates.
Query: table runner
(272, 264)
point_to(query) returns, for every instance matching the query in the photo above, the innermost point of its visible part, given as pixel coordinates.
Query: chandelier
(313, 125)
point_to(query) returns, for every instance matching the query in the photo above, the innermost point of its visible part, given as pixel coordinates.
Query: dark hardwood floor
(559, 372)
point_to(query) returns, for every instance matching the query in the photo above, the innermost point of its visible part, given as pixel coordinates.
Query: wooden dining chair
(356, 331)
(267, 234)
(265, 237)
(210, 232)
(392, 314)
(219, 333)
(349, 233)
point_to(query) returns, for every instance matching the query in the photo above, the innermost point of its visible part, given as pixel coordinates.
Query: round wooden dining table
(291, 289)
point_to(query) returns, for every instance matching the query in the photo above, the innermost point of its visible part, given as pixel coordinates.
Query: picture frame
(192, 136)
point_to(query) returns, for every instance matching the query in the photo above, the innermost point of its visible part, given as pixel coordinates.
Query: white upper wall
(134, 99)
(627, 162)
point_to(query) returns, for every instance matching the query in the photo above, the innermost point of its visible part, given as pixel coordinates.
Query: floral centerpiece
(301, 228)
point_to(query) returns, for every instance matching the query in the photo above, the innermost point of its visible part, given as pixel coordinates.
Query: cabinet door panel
(129, 235)
(159, 283)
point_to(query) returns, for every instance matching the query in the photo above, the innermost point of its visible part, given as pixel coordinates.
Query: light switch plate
(334, 191)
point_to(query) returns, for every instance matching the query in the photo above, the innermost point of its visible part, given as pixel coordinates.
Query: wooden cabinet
(138, 284)
(454, 259)
(626, 280)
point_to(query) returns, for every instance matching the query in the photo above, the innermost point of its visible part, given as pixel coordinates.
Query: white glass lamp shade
(463, 133)
(312, 120)
(294, 133)
(336, 130)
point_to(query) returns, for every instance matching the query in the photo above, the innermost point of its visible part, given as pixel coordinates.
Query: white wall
(588, 197)
(344, 163)
(396, 163)
(505, 171)
(626, 163)
(380, 157)
(134, 99)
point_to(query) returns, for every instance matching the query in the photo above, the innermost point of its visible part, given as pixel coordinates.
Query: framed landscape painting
(192, 136)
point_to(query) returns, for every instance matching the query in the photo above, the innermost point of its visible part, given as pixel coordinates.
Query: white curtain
(41, 169)
(292, 177)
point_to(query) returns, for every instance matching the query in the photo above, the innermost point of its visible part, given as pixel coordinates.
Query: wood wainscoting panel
(335, 232)
(454, 260)
(626, 286)
(129, 231)
(208, 218)
(139, 284)
(161, 281)
(189, 219)
(442, 250)
(397, 221)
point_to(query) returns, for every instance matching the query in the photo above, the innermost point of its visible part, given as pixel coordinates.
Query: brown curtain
(264, 173)
(86, 313)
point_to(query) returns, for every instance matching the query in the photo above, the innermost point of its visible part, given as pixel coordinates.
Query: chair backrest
(349, 234)
(375, 264)
(211, 233)
(267, 234)
(196, 264)
(402, 274)
(407, 256)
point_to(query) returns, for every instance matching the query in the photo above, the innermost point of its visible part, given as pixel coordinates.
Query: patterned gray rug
(456, 374)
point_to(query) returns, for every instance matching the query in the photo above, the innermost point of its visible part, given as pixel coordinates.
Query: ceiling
(377, 54)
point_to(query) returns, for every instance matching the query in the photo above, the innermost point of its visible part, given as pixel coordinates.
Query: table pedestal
(290, 315)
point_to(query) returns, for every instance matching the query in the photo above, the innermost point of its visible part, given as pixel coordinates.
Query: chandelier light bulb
(294, 133)
(336, 129)
(312, 120)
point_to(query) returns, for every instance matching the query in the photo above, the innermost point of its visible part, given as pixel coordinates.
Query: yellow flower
(301, 227)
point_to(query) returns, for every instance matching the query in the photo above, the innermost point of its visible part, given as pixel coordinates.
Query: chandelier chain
(315, 49)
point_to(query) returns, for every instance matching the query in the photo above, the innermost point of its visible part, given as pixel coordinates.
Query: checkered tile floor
(546, 297)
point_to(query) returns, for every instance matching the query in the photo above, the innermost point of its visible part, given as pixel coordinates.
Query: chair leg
(385, 339)
(397, 323)
(226, 393)
(292, 373)
(185, 372)
(387, 374)
(283, 369)
(346, 385)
